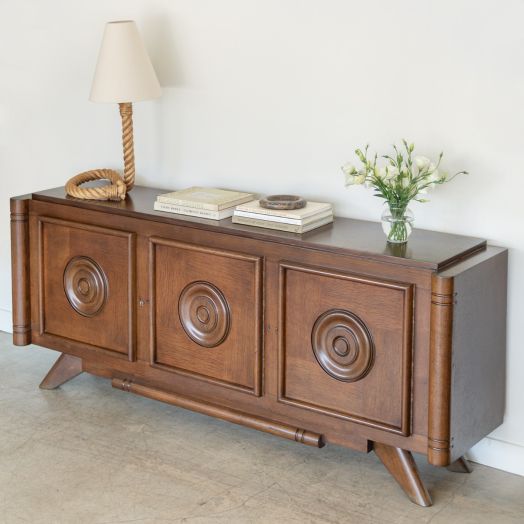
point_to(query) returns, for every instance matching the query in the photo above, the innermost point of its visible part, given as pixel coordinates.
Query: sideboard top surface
(425, 249)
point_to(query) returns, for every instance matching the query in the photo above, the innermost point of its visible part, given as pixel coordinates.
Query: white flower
(349, 169)
(380, 172)
(422, 162)
(386, 172)
(355, 178)
(391, 172)
(360, 178)
(434, 175)
(350, 179)
(405, 181)
(352, 175)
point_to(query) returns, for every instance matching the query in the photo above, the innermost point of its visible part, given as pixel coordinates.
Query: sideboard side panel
(20, 271)
(478, 375)
(467, 369)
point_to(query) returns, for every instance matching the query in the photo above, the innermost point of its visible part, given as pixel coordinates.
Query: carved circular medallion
(204, 314)
(85, 286)
(342, 345)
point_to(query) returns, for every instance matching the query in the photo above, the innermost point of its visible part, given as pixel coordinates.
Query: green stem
(398, 232)
(399, 226)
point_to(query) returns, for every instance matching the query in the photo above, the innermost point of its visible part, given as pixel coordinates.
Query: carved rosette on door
(204, 314)
(85, 286)
(342, 345)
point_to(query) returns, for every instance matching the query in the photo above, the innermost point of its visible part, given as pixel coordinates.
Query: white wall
(273, 96)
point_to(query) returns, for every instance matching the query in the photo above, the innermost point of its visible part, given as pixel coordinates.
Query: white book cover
(188, 211)
(205, 198)
(311, 208)
(284, 220)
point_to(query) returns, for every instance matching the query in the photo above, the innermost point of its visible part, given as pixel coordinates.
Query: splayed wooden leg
(460, 465)
(63, 370)
(402, 466)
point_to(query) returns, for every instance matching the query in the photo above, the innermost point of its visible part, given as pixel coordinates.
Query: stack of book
(202, 202)
(314, 215)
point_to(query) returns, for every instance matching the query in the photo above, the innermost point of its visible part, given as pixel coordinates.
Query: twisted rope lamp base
(115, 191)
(119, 186)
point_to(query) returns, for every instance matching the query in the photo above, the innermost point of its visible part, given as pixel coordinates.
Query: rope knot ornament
(116, 190)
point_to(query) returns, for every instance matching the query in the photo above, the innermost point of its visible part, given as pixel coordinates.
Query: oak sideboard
(330, 337)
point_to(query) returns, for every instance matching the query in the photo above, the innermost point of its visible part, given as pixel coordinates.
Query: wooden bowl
(283, 202)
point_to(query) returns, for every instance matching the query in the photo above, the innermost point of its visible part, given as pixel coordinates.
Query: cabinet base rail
(303, 436)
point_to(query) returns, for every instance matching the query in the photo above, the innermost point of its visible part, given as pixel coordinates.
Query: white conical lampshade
(124, 72)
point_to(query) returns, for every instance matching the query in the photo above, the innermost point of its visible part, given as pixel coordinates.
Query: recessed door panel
(206, 313)
(86, 285)
(345, 346)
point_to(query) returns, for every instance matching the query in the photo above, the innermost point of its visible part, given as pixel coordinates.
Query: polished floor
(87, 453)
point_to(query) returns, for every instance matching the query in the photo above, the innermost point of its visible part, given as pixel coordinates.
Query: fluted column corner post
(20, 271)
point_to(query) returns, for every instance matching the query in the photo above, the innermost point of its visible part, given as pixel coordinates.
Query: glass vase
(397, 223)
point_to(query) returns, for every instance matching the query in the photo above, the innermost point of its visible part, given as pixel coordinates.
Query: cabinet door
(206, 314)
(86, 285)
(345, 346)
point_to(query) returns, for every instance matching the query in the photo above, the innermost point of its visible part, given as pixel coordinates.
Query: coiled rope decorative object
(119, 185)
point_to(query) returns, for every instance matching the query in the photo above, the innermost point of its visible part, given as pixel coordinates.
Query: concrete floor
(87, 453)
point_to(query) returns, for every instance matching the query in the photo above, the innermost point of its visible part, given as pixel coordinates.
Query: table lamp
(124, 74)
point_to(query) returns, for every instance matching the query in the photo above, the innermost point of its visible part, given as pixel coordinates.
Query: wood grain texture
(439, 410)
(64, 369)
(320, 308)
(402, 466)
(327, 337)
(335, 430)
(426, 249)
(206, 313)
(281, 430)
(99, 261)
(478, 371)
(85, 286)
(467, 358)
(343, 345)
(20, 271)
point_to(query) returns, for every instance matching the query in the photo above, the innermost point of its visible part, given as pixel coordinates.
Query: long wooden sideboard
(331, 337)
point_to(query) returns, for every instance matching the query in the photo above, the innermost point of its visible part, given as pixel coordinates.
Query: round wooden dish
(283, 202)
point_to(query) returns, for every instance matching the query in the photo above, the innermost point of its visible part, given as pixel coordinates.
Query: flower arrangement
(401, 179)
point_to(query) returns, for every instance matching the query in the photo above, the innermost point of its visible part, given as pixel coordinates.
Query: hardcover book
(194, 212)
(205, 198)
(291, 228)
(312, 208)
(284, 220)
